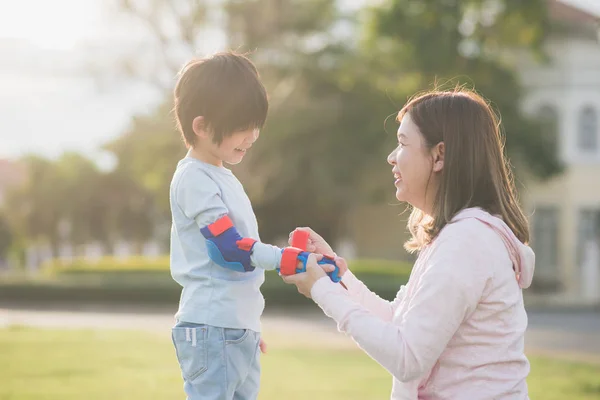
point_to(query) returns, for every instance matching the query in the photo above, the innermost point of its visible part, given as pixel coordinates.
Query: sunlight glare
(53, 25)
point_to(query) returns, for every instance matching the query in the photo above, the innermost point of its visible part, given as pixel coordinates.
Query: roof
(568, 11)
(11, 173)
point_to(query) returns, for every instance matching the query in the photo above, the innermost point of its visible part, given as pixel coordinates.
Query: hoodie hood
(521, 255)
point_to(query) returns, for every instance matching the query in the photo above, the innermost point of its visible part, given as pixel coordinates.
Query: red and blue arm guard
(227, 247)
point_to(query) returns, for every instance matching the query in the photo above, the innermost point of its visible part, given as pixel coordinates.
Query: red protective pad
(289, 260)
(220, 225)
(300, 239)
(245, 244)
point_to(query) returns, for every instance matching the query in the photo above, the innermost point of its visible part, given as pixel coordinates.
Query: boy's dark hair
(226, 90)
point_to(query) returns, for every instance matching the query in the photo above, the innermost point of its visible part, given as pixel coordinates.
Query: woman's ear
(438, 157)
(199, 128)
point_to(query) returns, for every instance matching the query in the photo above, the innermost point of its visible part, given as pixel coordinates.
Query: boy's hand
(262, 345)
(316, 244)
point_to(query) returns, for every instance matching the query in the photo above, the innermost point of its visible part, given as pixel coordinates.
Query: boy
(220, 106)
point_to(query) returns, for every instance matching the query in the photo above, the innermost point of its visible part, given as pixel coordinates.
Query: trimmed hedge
(140, 281)
(140, 263)
(107, 264)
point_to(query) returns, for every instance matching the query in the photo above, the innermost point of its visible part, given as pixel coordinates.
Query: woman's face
(414, 166)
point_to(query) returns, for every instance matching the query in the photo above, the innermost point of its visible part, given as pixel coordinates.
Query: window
(587, 137)
(545, 242)
(548, 118)
(588, 228)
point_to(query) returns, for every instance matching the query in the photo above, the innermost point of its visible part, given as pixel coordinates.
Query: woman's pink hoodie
(456, 330)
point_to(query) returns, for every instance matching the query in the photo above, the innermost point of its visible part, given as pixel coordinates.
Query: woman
(456, 330)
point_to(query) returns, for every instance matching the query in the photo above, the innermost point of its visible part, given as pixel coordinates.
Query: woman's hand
(304, 281)
(316, 244)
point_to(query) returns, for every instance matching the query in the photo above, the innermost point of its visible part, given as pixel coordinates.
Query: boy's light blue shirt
(200, 194)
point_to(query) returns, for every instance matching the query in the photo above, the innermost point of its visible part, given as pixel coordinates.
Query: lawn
(114, 365)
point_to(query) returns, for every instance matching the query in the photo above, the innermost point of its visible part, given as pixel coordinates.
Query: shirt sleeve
(447, 289)
(200, 200)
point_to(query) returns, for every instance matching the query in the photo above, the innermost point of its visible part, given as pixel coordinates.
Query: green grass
(97, 364)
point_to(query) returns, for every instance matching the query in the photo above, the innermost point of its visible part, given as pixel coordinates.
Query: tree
(330, 93)
(6, 238)
(175, 31)
(279, 42)
(34, 205)
(465, 42)
(148, 153)
(70, 201)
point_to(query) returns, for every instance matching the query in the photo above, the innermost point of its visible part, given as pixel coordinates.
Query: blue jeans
(218, 363)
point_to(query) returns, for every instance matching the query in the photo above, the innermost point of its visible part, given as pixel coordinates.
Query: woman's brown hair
(476, 171)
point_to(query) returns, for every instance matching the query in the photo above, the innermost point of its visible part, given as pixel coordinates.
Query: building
(565, 210)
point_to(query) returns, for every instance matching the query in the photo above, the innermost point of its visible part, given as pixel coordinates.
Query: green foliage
(70, 200)
(6, 237)
(466, 43)
(333, 78)
(148, 153)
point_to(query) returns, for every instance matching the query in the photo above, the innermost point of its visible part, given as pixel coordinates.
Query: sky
(49, 102)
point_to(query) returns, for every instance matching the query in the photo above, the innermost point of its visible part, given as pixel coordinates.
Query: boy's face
(233, 148)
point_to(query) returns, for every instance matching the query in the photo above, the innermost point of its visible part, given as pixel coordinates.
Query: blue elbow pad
(226, 247)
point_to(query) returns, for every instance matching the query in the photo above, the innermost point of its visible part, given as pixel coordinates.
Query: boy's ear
(199, 127)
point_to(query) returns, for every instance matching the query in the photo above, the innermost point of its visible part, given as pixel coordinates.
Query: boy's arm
(199, 198)
(229, 249)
